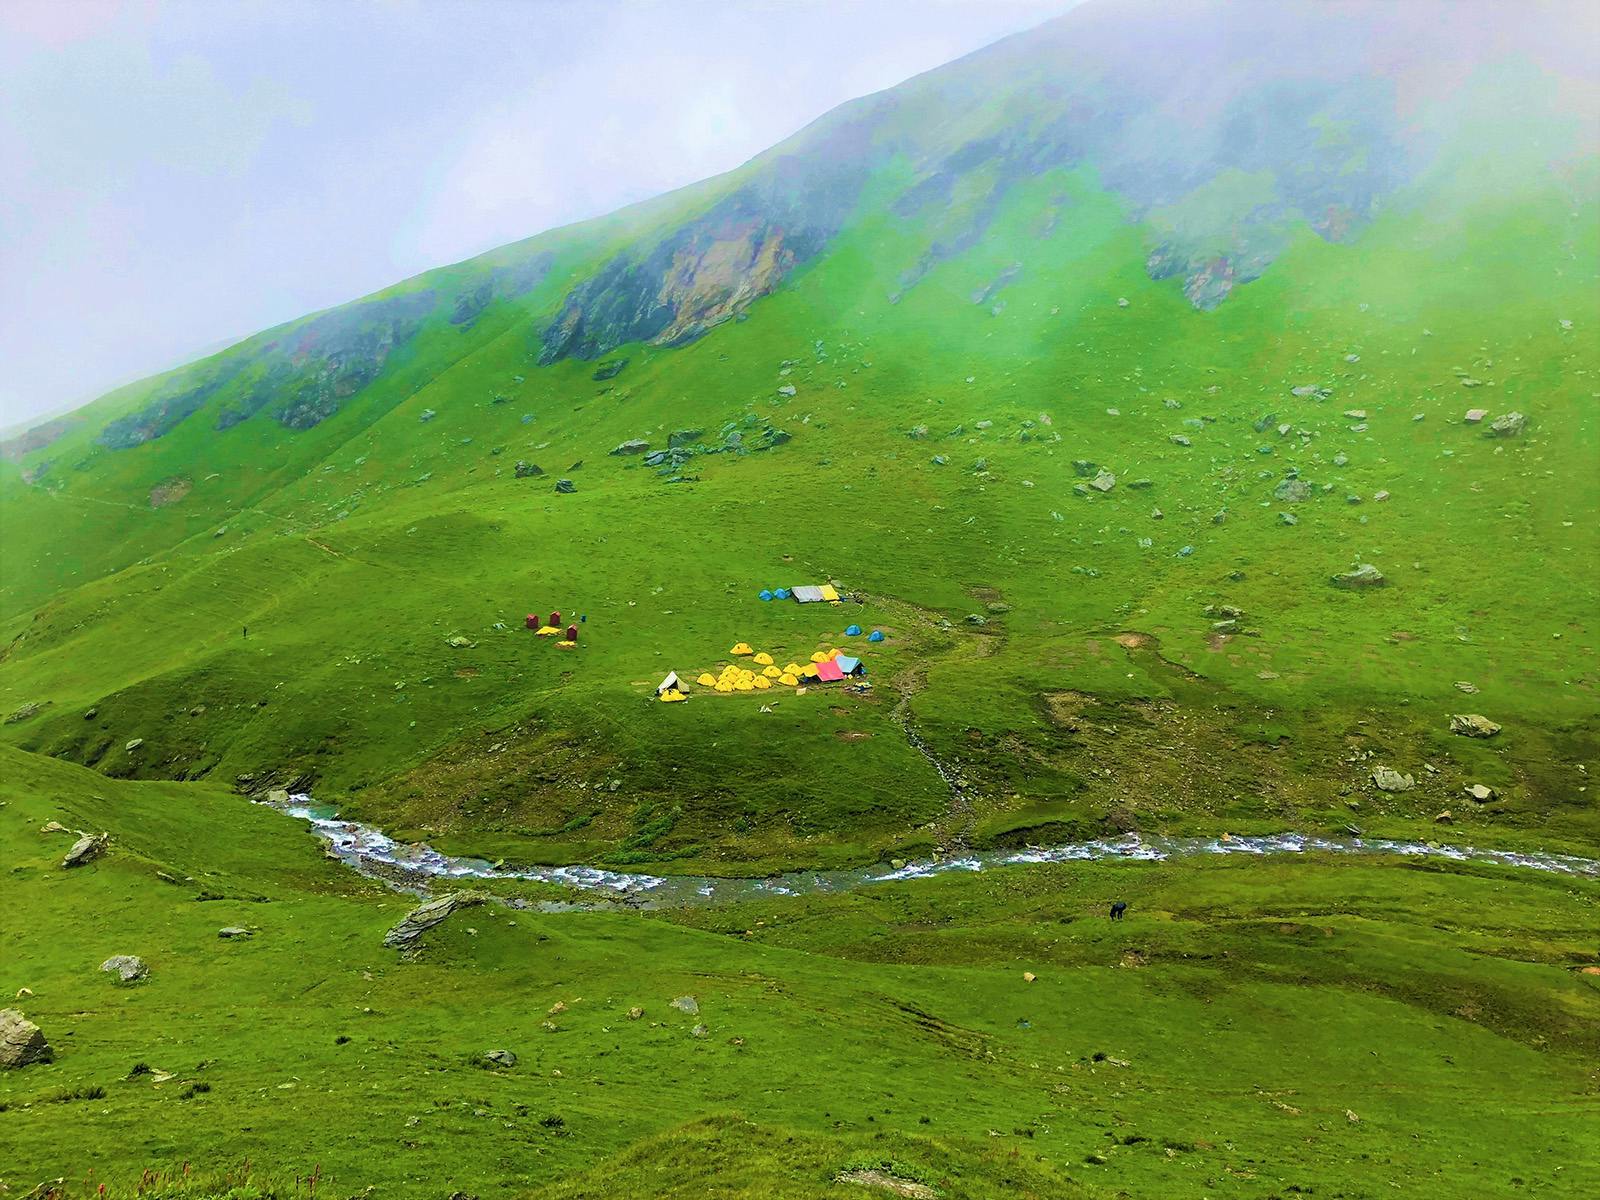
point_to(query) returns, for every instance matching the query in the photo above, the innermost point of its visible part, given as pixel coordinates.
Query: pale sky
(175, 174)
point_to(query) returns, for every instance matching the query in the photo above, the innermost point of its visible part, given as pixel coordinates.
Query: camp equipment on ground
(548, 631)
(670, 697)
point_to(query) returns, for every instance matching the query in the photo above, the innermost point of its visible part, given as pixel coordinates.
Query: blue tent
(781, 594)
(849, 665)
(766, 595)
(875, 636)
(853, 631)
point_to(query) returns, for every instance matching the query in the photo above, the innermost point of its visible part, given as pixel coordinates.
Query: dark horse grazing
(1117, 909)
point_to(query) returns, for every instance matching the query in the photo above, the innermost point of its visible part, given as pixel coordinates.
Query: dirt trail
(953, 829)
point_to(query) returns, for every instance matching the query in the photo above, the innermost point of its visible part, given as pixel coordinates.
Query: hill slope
(1251, 293)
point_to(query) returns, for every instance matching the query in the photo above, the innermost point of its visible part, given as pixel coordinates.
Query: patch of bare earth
(170, 491)
(884, 1181)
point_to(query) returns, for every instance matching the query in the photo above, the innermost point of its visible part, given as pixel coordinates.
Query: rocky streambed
(415, 866)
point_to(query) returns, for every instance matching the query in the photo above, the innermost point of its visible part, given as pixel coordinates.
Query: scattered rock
(976, 619)
(1387, 779)
(700, 1031)
(1473, 725)
(1364, 576)
(86, 849)
(1444, 818)
(427, 415)
(1293, 491)
(1469, 688)
(234, 931)
(566, 487)
(687, 1004)
(1178, 439)
(500, 1058)
(1103, 482)
(1474, 415)
(1286, 518)
(21, 1042)
(128, 968)
(23, 713)
(635, 1013)
(1028, 977)
(1509, 425)
(633, 446)
(406, 934)
(460, 643)
(526, 470)
(133, 744)
(53, 827)
(1341, 459)
(1481, 792)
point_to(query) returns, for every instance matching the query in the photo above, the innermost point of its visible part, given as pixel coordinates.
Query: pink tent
(829, 672)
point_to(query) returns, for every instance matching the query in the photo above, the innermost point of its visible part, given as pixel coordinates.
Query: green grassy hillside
(1253, 1028)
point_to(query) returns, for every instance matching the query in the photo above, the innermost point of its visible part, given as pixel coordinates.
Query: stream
(413, 866)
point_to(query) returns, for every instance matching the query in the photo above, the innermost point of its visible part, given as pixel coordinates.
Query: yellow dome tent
(707, 679)
(788, 680)
(761, 682)
(763, 659)
(742, 648)
(771, 672)
(669, 697)
(744, 685)
(792, 669)
(819, 656)
(809, 671)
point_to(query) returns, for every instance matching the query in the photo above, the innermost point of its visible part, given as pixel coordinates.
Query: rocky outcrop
(86, 849)
(128, 968)
(1387, 779)
(21, 1042)
(1473, 725)
(407, 933)
(1360, 578)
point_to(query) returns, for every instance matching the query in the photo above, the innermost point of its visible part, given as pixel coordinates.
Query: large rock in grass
(1474, 725)
(1364, 576)
(86, 849)
(21, 1041)
(1387, 779)
(128, 968)
(1510, 424)
(406, 934)
(633, 446)
(1294, 491)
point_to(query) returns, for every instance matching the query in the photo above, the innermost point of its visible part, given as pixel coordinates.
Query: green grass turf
(1213, 1043)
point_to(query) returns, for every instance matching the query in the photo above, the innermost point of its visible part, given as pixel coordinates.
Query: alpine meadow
(667, 708)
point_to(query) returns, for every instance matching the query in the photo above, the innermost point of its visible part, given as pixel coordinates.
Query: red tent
(555, 620)
(572, 633)
(533, 621)
(829, 672)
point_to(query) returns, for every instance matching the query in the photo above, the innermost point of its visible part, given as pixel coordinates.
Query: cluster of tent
(552, 628)
(826, 666)
(855, 631)
(804, 595)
